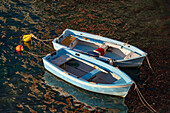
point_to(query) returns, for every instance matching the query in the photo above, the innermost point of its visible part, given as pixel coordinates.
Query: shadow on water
(115, 104)
(133, 72)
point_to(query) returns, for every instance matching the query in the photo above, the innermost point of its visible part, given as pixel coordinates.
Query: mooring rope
(152, 72)
(47, 45)
(35, 54)
(149, 64)
(43, 40)
(144, 102)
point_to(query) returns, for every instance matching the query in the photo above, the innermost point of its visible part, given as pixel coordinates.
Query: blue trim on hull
(120, 91)
(133, 62)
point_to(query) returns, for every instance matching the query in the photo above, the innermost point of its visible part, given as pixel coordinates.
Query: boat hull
(132, 62)
(121, 90)
(136, 62)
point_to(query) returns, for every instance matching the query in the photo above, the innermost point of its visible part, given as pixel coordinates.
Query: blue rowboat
(87, 73)
(108, 50)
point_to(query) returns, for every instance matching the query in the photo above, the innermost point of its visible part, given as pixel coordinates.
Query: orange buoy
(19, 48)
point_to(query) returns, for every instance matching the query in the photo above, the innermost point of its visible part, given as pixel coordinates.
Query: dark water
(24, 84)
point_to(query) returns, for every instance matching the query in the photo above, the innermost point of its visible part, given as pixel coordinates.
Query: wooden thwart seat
(91, 74)
(68, 40)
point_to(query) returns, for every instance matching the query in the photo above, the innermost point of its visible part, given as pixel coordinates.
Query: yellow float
(27, 38)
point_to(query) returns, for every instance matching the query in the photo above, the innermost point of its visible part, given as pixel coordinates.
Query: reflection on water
(28, 44)
(114, 104)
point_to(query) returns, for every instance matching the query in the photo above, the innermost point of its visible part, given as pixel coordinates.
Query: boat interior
(110, 50)
(82, 70)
